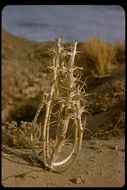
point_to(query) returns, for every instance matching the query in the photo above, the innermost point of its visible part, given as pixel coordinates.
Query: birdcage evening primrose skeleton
(57, 128)
(64, 106)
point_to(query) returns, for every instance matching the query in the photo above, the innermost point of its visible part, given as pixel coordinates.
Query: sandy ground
(101, 164)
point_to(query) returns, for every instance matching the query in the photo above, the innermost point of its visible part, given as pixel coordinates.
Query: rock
(78, 180)
(94, 147)
(93, 160)
(92, 142)
(116, 147)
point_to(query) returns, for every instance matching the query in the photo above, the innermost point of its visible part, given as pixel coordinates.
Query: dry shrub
(119, 49)
(97, 57)
(117, 110)
(110, 99)
(16, 136)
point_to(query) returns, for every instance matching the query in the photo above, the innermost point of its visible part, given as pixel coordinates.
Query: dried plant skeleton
(63, 111)
(56, 139)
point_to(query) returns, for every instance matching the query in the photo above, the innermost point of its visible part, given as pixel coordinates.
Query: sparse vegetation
(110, 99)
(97, 57)
(25, 73)
(15, 136)
(119, 49)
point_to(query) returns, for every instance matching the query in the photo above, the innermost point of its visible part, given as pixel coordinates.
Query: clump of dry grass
(119, 49)
(97, 57)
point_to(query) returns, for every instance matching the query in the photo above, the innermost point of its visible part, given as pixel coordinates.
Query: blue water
(73, 22)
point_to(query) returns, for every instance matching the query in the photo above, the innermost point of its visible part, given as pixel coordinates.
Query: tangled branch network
(56, 139)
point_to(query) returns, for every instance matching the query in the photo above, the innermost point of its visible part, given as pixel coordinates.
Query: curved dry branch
(64, 95)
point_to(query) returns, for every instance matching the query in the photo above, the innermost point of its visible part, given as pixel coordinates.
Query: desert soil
(101, 163)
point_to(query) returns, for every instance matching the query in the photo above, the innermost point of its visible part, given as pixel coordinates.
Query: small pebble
(92, 142)
(78, 180)
(116, 147)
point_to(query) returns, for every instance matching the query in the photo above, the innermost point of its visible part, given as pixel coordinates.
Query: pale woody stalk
(68, 101)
